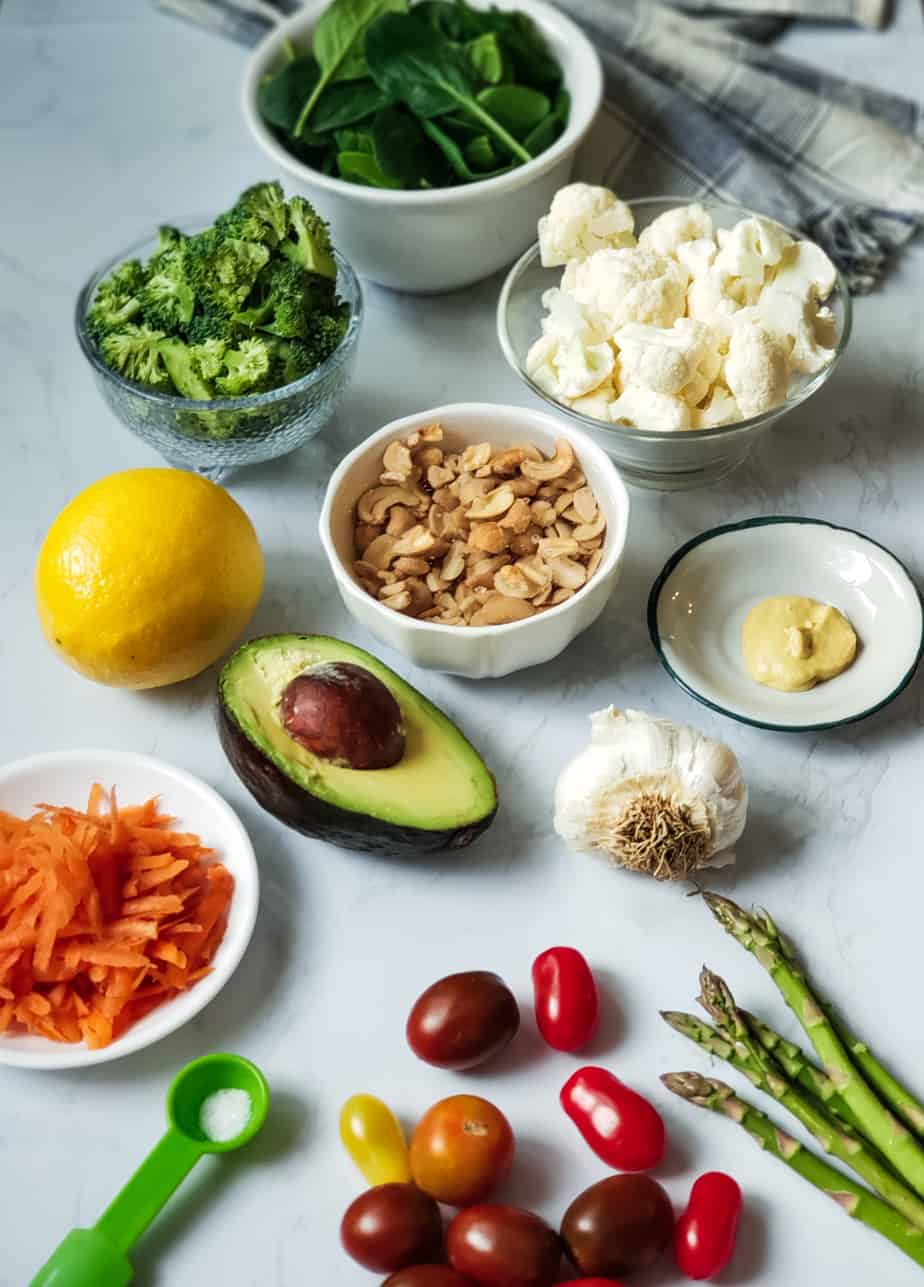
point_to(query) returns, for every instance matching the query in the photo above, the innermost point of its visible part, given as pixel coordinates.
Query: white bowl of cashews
(524, 631)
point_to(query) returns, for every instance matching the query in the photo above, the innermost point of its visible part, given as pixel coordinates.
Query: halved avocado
(438, 795)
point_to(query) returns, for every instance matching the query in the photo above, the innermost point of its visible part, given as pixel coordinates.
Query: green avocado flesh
(439, 784)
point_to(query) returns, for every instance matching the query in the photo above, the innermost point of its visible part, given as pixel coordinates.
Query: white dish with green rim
(699, 601)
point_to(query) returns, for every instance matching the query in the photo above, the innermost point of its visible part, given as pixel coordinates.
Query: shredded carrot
(90, 904)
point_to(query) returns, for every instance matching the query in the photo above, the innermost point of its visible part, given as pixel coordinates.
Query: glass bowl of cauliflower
(674, 333)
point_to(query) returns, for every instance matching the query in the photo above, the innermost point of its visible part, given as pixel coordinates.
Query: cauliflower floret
(793, 320)
(567, 368)
(708, 301)
(804, 269)
(596, 404)
(670, 230)
(566, 318)
(642, 408)
(721, 409)
(669, 360)
(581, 220)
(629, 285)
(746, 252)
(696, 256)
(756, 368)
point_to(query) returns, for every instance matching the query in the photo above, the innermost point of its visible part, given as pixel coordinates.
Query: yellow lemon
(147, 577)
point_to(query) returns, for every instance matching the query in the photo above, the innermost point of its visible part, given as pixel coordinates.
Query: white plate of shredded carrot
(128, 895)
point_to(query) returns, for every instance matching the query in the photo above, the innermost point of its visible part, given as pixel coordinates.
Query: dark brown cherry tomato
(428, 1276)
(705, 1235)
(618, 1123)
(391, 1226)
(593, 1282)
(503, 1246)
(463, 1020)
(619, 1225)
(462, 1147)
(567, 1004)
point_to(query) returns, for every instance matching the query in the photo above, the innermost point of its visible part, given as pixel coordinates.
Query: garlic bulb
(652, 796)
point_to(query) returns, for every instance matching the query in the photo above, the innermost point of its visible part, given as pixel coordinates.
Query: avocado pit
(342, 713)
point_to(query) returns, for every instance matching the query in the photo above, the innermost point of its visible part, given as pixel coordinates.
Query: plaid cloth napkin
(695, 106)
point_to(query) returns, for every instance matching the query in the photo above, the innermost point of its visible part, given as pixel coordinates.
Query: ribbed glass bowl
(220, 434)
(666, 461)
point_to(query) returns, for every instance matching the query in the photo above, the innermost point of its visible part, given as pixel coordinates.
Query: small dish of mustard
(791, 624)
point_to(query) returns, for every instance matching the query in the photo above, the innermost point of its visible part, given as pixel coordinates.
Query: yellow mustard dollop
(792, 643)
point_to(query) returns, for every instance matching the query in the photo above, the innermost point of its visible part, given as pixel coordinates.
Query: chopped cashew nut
(500, 610)
(375, 504)
(492, 505)
(561, 462)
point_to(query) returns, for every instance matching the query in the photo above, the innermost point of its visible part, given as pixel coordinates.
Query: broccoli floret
(208, 325)
(222, 269)
(168, 301)
(117, 299)
(169, 250)
(308, 239)
(262, 208)
(295, 358)
(209, 357)
(246, 369)
(185, 369)
(135, 352)
(325, 331)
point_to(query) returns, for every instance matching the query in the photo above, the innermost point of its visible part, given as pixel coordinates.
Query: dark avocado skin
(298, 809)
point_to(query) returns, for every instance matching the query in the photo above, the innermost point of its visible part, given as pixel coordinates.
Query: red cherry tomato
(621, 1127)
(704, 1238)
(567, 1005)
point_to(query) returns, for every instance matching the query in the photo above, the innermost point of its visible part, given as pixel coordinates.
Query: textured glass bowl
(666, 461)
(214, 436)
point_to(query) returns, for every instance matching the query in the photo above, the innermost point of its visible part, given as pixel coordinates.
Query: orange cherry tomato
(462, 1148)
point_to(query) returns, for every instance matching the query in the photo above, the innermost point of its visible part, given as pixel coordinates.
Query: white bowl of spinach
(434, 134)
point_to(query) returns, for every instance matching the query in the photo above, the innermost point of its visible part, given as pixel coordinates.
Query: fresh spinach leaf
(354, 141)
(338, 44)
(402, 149)
(414, 64)
(346, 103)
(455, 156)
(460, 129)
(486, 58)
(480, 154)
(281, 96)
(533, 62)
(544, 134)
(518, 108)
(362, 167)
(455, 21)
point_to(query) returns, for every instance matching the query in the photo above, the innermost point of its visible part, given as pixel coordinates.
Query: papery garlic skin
(652, 795)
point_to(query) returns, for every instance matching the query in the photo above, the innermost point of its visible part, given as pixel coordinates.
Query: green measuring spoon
(98, 1257)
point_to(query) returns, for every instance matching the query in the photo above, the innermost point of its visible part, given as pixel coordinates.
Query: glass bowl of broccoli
(228, 341)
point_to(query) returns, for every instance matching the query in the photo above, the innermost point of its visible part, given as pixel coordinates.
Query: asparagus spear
(890, 1089)
(799, 1068)
(760, 936)
(831, 1135)
(858, 1202)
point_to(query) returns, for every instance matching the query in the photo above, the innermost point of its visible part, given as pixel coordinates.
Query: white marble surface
(112, 117)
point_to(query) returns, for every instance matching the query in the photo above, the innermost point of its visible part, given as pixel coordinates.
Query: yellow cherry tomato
(373, 1137)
